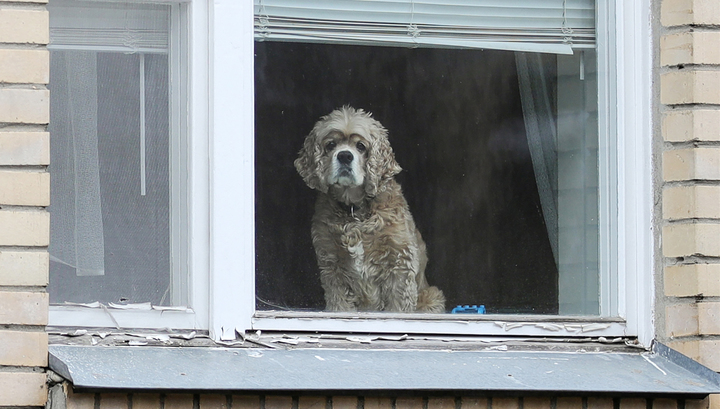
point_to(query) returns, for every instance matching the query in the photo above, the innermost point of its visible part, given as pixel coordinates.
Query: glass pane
(109, 177)
(500, 170)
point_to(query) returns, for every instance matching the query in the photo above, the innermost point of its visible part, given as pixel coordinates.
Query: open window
(119, 153)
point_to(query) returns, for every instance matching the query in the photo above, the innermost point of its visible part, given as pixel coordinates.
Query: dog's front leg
(396, 269)
(338, 296)
(400, 292)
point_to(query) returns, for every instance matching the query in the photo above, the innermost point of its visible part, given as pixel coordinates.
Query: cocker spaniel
(371, 255)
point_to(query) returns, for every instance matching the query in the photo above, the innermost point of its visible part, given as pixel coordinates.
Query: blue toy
(469, 309)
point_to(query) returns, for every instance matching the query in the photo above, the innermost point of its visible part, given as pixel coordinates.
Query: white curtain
(76, 232)
(541, 131)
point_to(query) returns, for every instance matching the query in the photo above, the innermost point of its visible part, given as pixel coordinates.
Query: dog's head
(347, 150)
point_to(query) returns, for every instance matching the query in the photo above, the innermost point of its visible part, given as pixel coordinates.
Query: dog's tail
(431, 299)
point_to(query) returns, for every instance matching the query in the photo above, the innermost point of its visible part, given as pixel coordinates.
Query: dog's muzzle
(345, 172)
(345, 157)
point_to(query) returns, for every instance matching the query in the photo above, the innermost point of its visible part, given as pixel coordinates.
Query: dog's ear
(381, 164)
(308, 162)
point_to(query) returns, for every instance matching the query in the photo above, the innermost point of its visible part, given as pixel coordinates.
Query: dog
(370, 254)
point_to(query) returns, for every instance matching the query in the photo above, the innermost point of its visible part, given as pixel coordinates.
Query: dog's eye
(361, 147)
(330, 145)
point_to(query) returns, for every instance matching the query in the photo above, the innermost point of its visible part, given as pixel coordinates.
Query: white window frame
(190, 86)
(221, 185)
(633, 261)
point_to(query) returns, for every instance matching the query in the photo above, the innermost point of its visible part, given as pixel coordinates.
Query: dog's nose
(345, 157)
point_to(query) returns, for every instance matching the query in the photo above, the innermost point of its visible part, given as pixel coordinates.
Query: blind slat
(553, 26)
(110, 26)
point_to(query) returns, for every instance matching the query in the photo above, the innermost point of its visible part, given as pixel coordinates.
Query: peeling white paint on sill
(574, 328)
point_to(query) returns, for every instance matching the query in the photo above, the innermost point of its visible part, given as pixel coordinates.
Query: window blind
(129, 28)
(550, 26)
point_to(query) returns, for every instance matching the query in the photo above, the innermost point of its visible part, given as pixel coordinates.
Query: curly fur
(371, 255)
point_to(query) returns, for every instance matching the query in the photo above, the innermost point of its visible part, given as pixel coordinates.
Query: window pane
(110, 211)
(499, 157)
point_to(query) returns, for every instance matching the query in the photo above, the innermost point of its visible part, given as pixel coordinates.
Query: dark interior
(456, 125)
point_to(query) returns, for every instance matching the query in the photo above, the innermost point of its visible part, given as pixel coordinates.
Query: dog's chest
(353, 241)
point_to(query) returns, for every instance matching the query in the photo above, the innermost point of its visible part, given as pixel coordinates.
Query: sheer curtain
(76, 232)
(541, 129)
(110, 153)
(563, 145)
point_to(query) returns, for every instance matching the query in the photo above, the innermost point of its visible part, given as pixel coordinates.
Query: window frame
(632, 263)
(221, 193)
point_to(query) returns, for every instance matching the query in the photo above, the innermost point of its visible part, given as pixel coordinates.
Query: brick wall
(24, 194)
(690, 105)
(690, 98)
(188, 401)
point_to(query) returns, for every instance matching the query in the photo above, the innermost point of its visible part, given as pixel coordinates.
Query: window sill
(660, 372)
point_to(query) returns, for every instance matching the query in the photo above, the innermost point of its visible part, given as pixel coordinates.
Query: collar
(350, 209)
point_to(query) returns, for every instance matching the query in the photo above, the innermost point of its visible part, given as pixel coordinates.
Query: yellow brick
(690, 87)
(683, 125)
(536, 403)
(678, 164)
(24, 66)
(24, 148)
(569, 403)
(253, 402)
(471, 402)
(24, 188)
(23, 308)
(681, 240)
(633, 403)
(24, 268)
(676, 49)
(691, 164)
(664, 403)
(690, 349)
(80, 400)
(24, 228)
(406, 403)
(697, 403)
(692, 280)
(709, 318)
(22, 389)
(114, 401)
(600, 403)
(505, 403)
(277, 402)
(24, 26)
(681, 320)
(26, 106)
(341, 402)
(686, 202)
(178, 401)
(705, 50)
(696, 47)
(441, 403)
(23, 348)
(212, 402)
(707, 354)
(714, 402)
(685, 12)
(372, 402)
(145, 401)
(311, 402)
